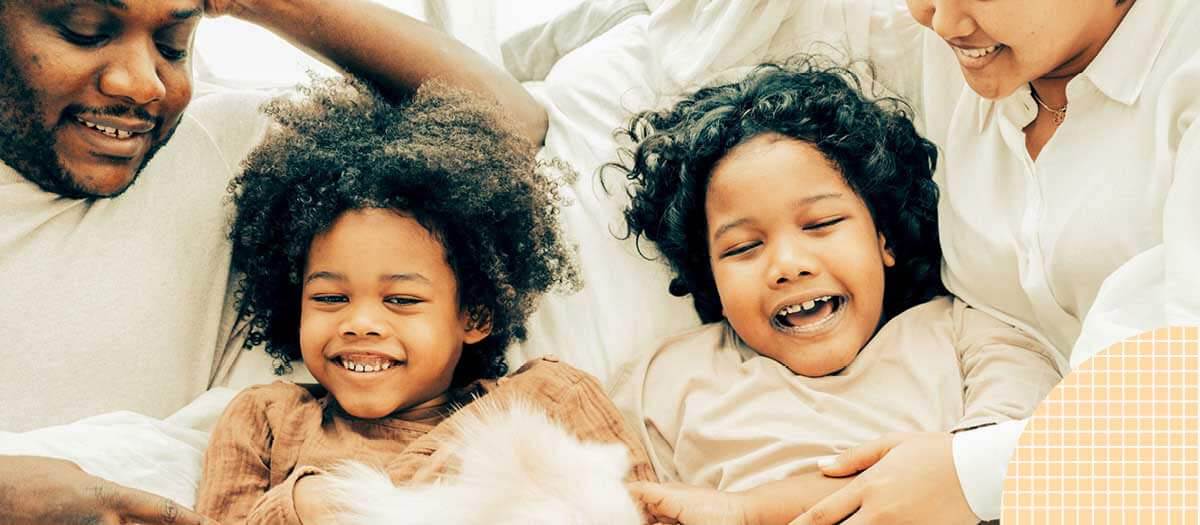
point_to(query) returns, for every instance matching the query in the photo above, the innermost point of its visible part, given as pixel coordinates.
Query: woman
(1070, 184)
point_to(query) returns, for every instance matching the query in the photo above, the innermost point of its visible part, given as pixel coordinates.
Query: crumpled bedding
(607, 62)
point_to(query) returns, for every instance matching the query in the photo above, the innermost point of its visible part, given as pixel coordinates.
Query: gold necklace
(1060, 114)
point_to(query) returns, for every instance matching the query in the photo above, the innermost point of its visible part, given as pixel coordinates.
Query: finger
(833, 508)
(654, 501)
(858, 459)
(144, 507)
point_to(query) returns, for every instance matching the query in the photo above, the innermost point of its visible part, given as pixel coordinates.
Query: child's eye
(330, 298)
(739, 249)
(401, 300)
(824, 224)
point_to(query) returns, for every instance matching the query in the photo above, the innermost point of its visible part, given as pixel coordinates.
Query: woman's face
(1002, 44)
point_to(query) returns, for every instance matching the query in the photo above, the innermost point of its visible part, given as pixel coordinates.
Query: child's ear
(477, 324)
(885, 252)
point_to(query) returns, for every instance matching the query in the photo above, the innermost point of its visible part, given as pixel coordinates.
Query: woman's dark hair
(442, 157)
(872, 142)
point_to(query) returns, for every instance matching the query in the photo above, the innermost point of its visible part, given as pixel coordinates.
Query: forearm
(394, 51)
(780, 502)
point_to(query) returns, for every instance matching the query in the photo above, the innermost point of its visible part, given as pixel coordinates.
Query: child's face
(380, 323)
(795, 255)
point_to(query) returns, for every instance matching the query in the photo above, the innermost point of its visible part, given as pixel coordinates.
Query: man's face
(90, 89)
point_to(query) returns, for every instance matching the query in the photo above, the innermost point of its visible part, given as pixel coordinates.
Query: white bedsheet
(622, 312)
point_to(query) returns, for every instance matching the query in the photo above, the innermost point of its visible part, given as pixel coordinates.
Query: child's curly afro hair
(442, 156)
(872, 142)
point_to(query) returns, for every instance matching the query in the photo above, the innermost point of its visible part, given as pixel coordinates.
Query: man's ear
(477, 324)
(885, 252)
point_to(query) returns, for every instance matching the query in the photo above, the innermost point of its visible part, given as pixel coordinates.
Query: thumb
(857, 459)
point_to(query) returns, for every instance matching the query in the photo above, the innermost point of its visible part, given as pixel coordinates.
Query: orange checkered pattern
(1117, 441)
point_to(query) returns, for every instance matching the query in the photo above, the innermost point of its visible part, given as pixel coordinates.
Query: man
(113, 258)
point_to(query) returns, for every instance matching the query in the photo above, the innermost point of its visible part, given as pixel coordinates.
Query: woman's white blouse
(1096, 240)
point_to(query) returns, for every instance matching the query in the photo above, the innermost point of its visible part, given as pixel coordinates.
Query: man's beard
(28, 147)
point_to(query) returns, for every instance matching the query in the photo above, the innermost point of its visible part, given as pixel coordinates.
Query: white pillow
(624, 308)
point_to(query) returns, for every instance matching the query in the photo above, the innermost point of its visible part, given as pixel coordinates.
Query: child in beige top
(801, 218)
(397, 250)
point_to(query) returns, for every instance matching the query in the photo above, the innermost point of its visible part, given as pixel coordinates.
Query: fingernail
(827, 461)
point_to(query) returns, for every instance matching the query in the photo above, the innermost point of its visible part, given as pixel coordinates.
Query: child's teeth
(808, 305)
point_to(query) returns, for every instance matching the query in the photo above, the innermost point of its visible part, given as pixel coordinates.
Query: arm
(235, 486)
(37, 490)
(1006, 372)
(586, 411)
(775, 503)
(395, 52)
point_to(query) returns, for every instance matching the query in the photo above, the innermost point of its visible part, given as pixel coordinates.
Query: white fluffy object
(514, 467)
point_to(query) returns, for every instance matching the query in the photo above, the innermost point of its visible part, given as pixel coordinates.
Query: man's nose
(133, 77)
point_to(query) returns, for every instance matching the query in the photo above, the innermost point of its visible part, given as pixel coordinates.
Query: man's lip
(111, 148)
(130, 125)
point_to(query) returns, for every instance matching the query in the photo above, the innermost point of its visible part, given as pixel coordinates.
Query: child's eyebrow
(406, 277)
(324, 275)
(334, 276)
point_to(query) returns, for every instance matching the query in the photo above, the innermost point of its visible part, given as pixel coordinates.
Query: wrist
(271, 14)
(747, 511)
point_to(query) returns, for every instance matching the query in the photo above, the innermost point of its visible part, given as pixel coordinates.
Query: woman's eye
(330, 299)
(824, 224)
(401, 300)
(739, 249)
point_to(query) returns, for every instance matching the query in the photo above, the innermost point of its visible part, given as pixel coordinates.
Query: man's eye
(739, 249)
(824, 224)
(81, 39)
(330, 299)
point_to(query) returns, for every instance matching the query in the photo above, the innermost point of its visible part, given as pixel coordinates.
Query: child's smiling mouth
(810, 316)
(365, 362)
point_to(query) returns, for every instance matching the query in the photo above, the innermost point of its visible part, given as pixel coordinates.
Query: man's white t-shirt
(123, 303)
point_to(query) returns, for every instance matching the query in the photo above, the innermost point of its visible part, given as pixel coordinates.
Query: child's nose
(363, 321)
(790, 262)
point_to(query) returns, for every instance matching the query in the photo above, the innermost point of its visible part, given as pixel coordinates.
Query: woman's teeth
(978, 52)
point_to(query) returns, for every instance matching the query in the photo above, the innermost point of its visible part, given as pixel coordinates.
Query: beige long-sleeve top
(270, 436)
(715, 413)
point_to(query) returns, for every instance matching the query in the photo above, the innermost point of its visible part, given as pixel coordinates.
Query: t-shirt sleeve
(234, 121)
(1006, 372)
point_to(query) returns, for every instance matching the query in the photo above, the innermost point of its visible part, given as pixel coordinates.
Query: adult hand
(905, 478)
(680, 504)
(35, 490)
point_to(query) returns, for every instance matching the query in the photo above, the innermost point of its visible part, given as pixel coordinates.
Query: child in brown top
(397, 249)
